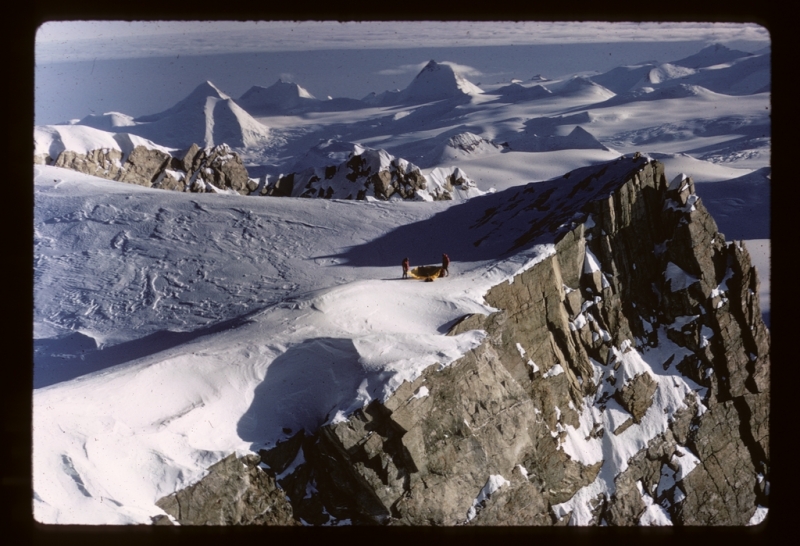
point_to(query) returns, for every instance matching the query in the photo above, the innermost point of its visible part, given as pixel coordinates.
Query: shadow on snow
(63, 359)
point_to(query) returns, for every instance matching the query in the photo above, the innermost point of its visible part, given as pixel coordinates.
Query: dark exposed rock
(235, 492)
(199, 170)
(558, 342)
(143, 166)
(161, 519)
(372, 174)
(637, 396)
(105, 163)
(281, 456)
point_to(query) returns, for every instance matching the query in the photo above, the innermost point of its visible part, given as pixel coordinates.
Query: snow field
(109, 443)
(171, 329)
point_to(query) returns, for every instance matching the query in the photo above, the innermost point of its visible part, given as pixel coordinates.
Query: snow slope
(51, 140)
(171, 329)
(251, 295)
(279, 97)
(206, 117)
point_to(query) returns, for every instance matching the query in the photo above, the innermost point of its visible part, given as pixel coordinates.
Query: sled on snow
(427, 273)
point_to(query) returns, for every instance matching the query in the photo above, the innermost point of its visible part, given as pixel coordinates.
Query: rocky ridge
(200, 170)
(624, 380)
(366, 174)
(373, 174)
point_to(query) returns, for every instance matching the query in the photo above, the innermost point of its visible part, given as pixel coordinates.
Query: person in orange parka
(445, 265)
(405, 268)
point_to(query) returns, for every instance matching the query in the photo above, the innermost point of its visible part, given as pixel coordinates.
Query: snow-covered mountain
(107, 121)
(207, 117)
(729, 72)
(715, 54)
(582, 87)
(436, 81)
(231, 353)
(439, 81)
(515, 92)
(578, 139)
(292, 319)
(280, 97)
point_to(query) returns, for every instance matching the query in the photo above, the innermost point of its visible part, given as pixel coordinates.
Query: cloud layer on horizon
(58, 41)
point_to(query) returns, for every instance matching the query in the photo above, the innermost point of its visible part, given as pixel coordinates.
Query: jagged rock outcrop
(624, 380)
(216, 168)
(373, 174)
(236, 491)
(198, 170)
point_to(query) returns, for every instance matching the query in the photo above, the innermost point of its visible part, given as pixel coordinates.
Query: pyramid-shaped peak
(437, 81)
(208, 89)
(193, 102)
(289, 89)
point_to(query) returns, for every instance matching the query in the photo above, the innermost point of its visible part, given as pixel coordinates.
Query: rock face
(373, 174)
(624, 381)
(235, 492)
(199, 170)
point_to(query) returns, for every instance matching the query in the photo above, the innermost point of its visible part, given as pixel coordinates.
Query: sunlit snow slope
(181, 305)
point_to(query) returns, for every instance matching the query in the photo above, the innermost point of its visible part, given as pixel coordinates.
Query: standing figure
(445, 265)
(405, 268)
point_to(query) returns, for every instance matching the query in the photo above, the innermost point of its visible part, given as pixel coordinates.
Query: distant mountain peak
(437, 81)
(710, 56)
(208, 88)
(281, 96)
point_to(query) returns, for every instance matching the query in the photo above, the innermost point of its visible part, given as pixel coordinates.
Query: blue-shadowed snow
(678, 278)
(173, 329)
(494, 483)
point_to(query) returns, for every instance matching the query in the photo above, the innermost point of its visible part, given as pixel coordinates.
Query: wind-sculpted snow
(164, 275)
(174, 330)
(51, 140)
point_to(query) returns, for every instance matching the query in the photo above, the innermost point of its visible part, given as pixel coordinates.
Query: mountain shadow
(495, 225)
(305, 387)
(63, 359)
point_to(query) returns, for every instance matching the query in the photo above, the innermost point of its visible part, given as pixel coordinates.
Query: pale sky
(144, 67)
(84, 40)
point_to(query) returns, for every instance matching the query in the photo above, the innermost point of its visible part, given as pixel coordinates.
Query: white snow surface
(678, 278)
(495, 482)
(54, 139)
(172, 329)
(759, 515)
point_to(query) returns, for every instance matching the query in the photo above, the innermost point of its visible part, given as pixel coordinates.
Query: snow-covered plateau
(175, 328)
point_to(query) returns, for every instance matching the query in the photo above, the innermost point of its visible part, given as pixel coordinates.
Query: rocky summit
(198, 170)
(372, 174)
(624, 380)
